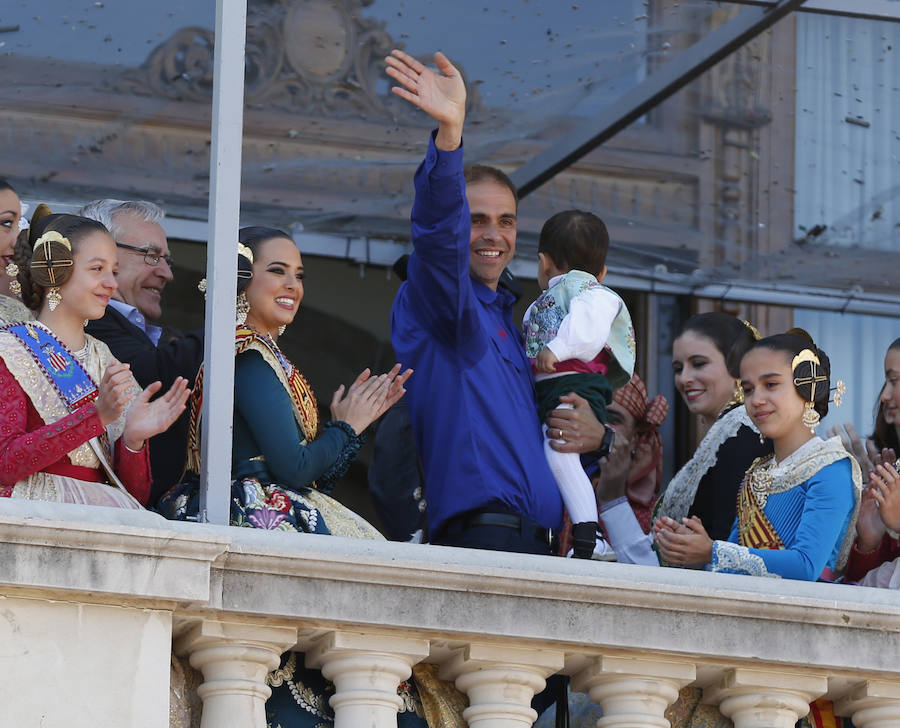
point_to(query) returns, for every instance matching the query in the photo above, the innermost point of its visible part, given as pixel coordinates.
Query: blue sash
(73, 384)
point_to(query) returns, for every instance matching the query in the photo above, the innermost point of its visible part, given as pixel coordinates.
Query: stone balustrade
(93, 600)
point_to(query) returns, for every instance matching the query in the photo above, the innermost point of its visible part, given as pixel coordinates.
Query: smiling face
(93, 280)
(141, 285)
(276, 289)
(492, 242)
(701, 376)
(772, 400)
(890, 393)
(10, 213)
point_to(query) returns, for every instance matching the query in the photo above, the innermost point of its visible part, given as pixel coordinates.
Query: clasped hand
(683, 544)
(368, 397)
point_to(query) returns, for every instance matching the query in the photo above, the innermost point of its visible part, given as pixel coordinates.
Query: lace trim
(766, 477)
(48, 403)
(12, 310)
(732, 558)
(328, 480)
(679, 496)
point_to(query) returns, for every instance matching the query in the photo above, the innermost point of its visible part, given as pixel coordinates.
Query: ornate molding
(315, 56)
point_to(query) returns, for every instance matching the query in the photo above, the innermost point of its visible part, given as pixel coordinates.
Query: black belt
(471, 519)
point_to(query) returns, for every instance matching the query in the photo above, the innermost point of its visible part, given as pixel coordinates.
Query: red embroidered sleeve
(133, 469)
(24, 451)
(861, 563)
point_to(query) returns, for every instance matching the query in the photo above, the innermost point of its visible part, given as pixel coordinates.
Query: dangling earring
(281, 329)
(810, 417)
(54, 298)
(762, 439)
(12, 270)
(242, 309)
(738, 396)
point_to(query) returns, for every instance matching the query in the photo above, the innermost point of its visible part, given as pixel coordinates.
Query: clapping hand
(146, 418)
(884, 488)
(441, 95)
(368, 397)
(114, 392)
(683, 544)
(863, 451)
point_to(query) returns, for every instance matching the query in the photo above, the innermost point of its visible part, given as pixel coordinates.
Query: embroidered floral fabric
(37, 431)
(300, 698)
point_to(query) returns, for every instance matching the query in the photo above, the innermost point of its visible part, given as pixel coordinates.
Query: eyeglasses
(151, 256)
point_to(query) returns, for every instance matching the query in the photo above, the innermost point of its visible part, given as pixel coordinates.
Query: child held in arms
(579, 338)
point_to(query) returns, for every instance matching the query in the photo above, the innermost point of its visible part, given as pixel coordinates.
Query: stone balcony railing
(92, 601)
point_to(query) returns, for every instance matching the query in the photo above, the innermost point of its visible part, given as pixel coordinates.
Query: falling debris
(858, 121)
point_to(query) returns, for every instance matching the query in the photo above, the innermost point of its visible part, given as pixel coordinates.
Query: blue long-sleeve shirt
(471, 399)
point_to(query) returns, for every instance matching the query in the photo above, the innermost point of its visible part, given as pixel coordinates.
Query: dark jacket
(177, 355)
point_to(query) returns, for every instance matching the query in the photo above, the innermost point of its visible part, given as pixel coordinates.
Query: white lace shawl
(679, 496)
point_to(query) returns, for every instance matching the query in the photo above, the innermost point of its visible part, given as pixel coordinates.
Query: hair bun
(802, 334)
(51, 261)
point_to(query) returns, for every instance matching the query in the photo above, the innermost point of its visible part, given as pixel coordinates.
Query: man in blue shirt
(471, 399)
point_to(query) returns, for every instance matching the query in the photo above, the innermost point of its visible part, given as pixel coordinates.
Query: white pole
(221, 260)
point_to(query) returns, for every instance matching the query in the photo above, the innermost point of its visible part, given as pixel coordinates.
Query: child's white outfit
(588, 327)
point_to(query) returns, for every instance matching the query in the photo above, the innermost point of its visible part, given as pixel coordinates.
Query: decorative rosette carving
(314, 56)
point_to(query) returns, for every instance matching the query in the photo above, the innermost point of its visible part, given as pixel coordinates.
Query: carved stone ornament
(313, 56)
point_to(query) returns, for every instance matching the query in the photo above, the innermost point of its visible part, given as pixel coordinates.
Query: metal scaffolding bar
(869, 9)
(657, 87)
(221, 261)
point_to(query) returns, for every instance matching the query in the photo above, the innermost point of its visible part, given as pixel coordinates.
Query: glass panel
(848, 145)
(856, 346)
(99, 99)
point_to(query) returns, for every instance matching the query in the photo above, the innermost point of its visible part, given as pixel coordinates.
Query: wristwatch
(609, 437)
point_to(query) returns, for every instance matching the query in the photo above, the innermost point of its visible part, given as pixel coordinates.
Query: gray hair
(105, 211)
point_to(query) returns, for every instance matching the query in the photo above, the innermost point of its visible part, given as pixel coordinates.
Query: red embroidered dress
(46, 451)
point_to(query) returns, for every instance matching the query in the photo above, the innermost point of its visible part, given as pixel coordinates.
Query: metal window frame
(656, 88)
(221, 262)
(225, 182)
(868, 9)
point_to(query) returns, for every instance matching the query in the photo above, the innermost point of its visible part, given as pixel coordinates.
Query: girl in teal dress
(285, 462)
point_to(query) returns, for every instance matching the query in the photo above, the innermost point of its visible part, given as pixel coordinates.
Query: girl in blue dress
(797, 507)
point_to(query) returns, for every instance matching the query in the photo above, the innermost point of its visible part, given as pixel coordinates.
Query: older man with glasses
(130, 327)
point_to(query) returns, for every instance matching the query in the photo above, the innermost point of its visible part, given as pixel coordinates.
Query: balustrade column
(366, 670)
(633, 692)
(872, 704)
(500, 682)
(234, 659)
(765, 698)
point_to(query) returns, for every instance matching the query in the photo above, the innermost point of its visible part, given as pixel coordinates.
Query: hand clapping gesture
(863, 450)
(884, 486)
(879, 507)
(146, 419)
(114, 392)
(368, 397)
(441, 95)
